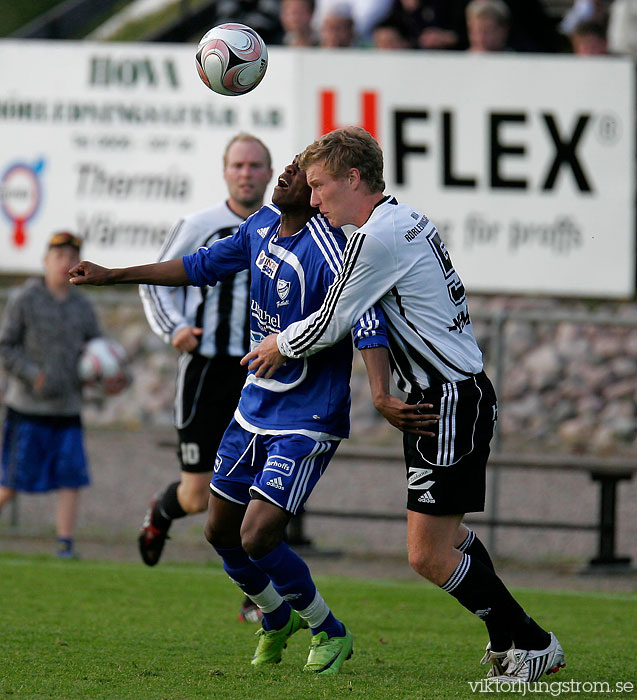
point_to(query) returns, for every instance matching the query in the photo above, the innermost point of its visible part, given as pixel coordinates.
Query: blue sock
(291, 578)
(253, 582)
(64, 548)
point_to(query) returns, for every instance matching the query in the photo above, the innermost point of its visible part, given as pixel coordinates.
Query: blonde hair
(496, 9)
(342, 149)
(244, 137)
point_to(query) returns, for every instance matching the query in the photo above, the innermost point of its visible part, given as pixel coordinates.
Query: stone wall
(566, 386)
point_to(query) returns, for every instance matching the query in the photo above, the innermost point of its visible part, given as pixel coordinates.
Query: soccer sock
(479, 590)
(256, 585)
(478, 552)
(291, 577)
(167, 507)
(473, 546)
(64, 545)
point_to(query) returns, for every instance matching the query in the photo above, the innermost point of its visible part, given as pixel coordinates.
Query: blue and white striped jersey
(221, 311)
(289, 277)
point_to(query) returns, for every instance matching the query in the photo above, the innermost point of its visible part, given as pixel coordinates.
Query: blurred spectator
(488, 24)
(337, 29)
(388, 36)
(430, 24)
(42, 336)
(622, 28)
(365, 13)
(530, 28)
(296, 20)
(261, 15)
(584, 11)
(589, 39)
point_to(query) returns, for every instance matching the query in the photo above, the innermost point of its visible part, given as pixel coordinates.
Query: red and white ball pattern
(231, 59)
(102, 359)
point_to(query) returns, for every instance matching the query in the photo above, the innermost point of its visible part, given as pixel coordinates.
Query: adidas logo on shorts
(426, 498)
(276, 483)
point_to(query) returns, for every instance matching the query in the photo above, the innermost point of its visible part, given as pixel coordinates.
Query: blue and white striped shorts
(282, 469)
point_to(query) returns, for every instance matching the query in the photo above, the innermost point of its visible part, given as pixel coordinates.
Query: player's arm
(368, 273)
(170, 272)
(164, 313)
(12, 355)
(410, 418)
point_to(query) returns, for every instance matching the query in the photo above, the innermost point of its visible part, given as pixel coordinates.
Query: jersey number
(189, 453)
(454, 285)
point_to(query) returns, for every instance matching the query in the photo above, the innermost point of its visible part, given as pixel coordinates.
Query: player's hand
(186, 339)
(86, 272)
(265, 358)
(410, 418)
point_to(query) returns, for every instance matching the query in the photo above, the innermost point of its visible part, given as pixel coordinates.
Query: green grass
(84, 629)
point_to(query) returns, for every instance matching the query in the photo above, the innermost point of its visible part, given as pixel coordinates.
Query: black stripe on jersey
(224, 312)
(199, 315)
(428, 343)
(316, 329)
(387, 199)
(159, 313)
(226, 299)
(400, 362)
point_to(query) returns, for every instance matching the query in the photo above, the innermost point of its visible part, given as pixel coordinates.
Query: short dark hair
(345, 148)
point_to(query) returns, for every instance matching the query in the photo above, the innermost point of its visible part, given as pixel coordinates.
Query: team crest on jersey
(263, 232)
(283, 289)
(218, 461)
(267, 266)
(282, 465)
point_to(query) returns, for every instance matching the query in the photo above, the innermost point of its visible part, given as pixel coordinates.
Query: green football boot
(328, 653)
(273, 642)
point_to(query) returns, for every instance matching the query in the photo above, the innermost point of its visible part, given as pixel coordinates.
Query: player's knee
(258, 541)
(425, 563)
(217, 535)
(210, 533)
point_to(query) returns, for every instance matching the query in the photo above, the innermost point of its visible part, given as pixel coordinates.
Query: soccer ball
(103, 359)
(231, 59)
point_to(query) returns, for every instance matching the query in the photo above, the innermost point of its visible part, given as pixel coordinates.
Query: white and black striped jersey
(221, 311)
(398, 258)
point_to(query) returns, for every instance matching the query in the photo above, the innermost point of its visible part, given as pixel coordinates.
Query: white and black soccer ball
(102, 359)
(231, 59)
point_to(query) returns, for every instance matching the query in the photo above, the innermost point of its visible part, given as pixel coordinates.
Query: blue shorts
(282, 469)
(43, 454)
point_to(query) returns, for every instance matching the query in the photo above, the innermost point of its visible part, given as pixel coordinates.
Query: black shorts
(206, 397)
(447, 474)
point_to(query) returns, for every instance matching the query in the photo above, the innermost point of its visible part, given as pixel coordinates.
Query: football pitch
(83, 629)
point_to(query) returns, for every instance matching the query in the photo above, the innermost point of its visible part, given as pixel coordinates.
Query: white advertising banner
(117, 141)
(524, 162)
